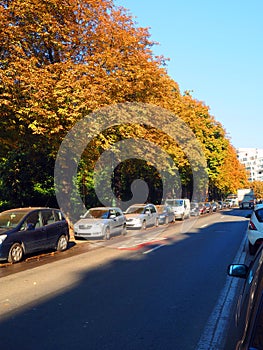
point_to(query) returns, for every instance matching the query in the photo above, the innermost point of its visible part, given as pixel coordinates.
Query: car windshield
(97, 214)
(11, 219)
(135, 210)
(174, 202)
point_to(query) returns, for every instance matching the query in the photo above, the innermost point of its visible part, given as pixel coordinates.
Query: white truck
(180, 207)
(246, 198)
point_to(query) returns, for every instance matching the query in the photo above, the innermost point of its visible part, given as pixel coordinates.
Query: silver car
(165, 214)
(140, 216)
(101, 222)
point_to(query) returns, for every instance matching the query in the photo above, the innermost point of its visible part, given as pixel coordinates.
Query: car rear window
(259, 215)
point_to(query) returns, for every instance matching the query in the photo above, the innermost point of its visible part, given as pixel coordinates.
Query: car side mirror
(237, 270)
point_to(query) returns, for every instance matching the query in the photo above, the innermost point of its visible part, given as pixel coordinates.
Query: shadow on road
(160, 300)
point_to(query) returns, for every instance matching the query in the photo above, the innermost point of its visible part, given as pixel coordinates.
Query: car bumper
(95, 234)
(247, 205)
(133, 225)
(178, 215)
(4, 251)
(163, 220)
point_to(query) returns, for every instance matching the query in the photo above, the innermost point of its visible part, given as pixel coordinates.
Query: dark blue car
(30, 230)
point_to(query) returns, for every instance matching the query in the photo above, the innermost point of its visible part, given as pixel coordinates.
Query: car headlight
(2, 238)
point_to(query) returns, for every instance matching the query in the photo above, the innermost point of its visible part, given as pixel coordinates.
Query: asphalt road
(160, 289)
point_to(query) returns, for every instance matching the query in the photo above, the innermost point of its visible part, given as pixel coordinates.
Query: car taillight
(251, 226)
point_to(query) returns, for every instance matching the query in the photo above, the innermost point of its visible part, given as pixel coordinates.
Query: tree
(60, 60)
(232, 174)
(257, 187)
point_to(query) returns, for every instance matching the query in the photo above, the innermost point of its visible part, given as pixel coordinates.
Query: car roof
(26, 209)
(103, 207)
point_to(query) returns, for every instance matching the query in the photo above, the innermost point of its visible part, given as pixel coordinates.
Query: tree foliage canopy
(63, 59)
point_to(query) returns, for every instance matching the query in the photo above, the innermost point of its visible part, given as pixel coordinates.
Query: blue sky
(216, 51)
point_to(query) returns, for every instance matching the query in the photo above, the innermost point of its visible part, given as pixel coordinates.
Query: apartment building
(252, 158)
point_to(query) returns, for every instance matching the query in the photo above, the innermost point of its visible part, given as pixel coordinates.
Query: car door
(170, 214)
(149, 215)
(34, 236)
(245, 299)
(52, 225)
(120, 220)
(153, 214)
(114, 221)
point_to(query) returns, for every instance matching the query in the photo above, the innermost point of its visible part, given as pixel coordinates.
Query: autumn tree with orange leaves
(63, 59)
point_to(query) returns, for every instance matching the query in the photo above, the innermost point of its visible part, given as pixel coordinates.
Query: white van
(181, 207)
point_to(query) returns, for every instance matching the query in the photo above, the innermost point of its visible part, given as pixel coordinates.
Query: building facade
(252, 158)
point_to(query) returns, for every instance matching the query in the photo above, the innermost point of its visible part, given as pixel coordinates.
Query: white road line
(204, 225)
(213, 335)
(155, 248)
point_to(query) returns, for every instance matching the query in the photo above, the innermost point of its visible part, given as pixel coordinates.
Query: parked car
(229, 203)
(165, 214)
(222, 204)
(194, 209)
(208, 207)
(202, 208)
(215, 207)
(100, 222)
(249, 311)
(181, 207)
(28, 230)
(140, 216)
(255, 229)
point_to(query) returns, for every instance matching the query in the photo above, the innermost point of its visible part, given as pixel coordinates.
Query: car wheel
(252, 249)
(107, 233)
(144, 225)
(62, 243)
(15, 253)
(124, 230)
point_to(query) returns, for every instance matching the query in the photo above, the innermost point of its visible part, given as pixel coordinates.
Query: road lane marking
(140, 243)
(153, 249)
(214, 332)
(204, 225)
